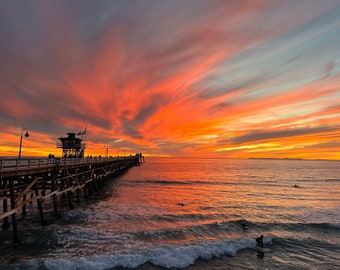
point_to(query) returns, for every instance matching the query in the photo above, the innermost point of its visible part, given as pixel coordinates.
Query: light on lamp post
(26, 135)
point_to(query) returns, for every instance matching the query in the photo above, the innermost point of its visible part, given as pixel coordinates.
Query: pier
(52, 180)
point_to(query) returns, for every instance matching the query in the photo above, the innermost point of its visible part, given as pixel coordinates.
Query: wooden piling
(13, 208)
(5, 224)
(40, 208)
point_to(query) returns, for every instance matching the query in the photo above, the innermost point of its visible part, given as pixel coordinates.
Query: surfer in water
(259, 241)
(244, 226)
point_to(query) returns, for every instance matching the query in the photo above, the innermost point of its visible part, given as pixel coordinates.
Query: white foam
(97, 262)
(168, 256)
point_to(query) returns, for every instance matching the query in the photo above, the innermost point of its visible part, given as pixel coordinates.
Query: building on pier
(73, 146)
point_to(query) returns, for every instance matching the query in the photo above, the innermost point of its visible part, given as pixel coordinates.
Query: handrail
(11, 164)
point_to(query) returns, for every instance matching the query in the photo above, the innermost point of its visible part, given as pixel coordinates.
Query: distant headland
(269, 158)
(277, 158)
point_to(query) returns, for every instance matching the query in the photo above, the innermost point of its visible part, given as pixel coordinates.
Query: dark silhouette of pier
(27, 181)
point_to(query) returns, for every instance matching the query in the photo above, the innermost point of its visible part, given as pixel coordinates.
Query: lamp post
(106, 151)
(26, 135)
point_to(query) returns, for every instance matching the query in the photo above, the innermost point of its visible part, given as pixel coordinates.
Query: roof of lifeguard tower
(70, 135)
(71, 141)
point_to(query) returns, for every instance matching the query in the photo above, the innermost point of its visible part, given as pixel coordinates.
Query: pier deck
(24, 181)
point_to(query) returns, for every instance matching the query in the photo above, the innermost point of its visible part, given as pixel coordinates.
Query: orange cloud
(219, 79)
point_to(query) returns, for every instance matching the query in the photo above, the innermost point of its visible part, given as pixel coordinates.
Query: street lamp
(26, 135)
(106, 150)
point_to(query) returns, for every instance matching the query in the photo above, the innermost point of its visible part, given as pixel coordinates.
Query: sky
(179, 78)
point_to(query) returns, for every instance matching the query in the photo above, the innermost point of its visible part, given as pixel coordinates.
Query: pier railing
(17, 164)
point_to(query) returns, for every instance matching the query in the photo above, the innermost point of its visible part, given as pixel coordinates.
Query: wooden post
(89, 186)
(55, 198)
(85, 193)
(53, 188)
(95, 184)
(23, 180)
(5, 224)
(69, 193)
(55, 204)
(78, 199)
(40, 208)
(62, 186)
(24, 206)
(14, 218)
(70, 205)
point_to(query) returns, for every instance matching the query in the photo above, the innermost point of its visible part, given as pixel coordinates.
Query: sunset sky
(234, 79)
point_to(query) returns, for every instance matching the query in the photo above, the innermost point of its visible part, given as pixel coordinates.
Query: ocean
(182, 213)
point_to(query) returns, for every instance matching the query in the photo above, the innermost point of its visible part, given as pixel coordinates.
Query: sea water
(183, 213)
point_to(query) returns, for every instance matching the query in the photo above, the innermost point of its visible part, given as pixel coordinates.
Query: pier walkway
(51, 180)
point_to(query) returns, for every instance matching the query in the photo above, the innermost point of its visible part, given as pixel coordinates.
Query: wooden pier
(26, 181)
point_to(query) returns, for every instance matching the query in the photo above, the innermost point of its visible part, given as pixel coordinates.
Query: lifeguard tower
(73, 146)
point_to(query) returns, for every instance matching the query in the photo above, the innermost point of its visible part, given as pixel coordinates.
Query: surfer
(244, 225)
(259, 241)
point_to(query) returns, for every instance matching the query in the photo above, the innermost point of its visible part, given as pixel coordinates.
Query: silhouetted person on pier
(259, 241)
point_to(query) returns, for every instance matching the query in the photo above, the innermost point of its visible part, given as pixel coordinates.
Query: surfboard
(264, 250)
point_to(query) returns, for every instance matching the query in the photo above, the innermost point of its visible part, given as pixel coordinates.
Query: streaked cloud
(172, 78)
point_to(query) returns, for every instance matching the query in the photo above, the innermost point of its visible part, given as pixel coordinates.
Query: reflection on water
(170, 207)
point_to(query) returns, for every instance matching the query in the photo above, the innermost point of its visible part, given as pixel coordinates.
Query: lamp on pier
(26, 135)
(106, 150)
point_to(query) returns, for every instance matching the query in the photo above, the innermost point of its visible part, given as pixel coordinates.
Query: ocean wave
(158, 182)
(188, 182)
(334, 225)
(298, 226)
(332, 180)
(167, 256)
(318, 226)
(209, 230)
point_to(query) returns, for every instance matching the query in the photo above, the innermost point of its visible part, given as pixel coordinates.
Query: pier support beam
(55, 205)
(54, 197)
(24, 206)
(14, 218)
(5, 224)
(40, 208)
(70, 204)
(69, 194)
(78, 197)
